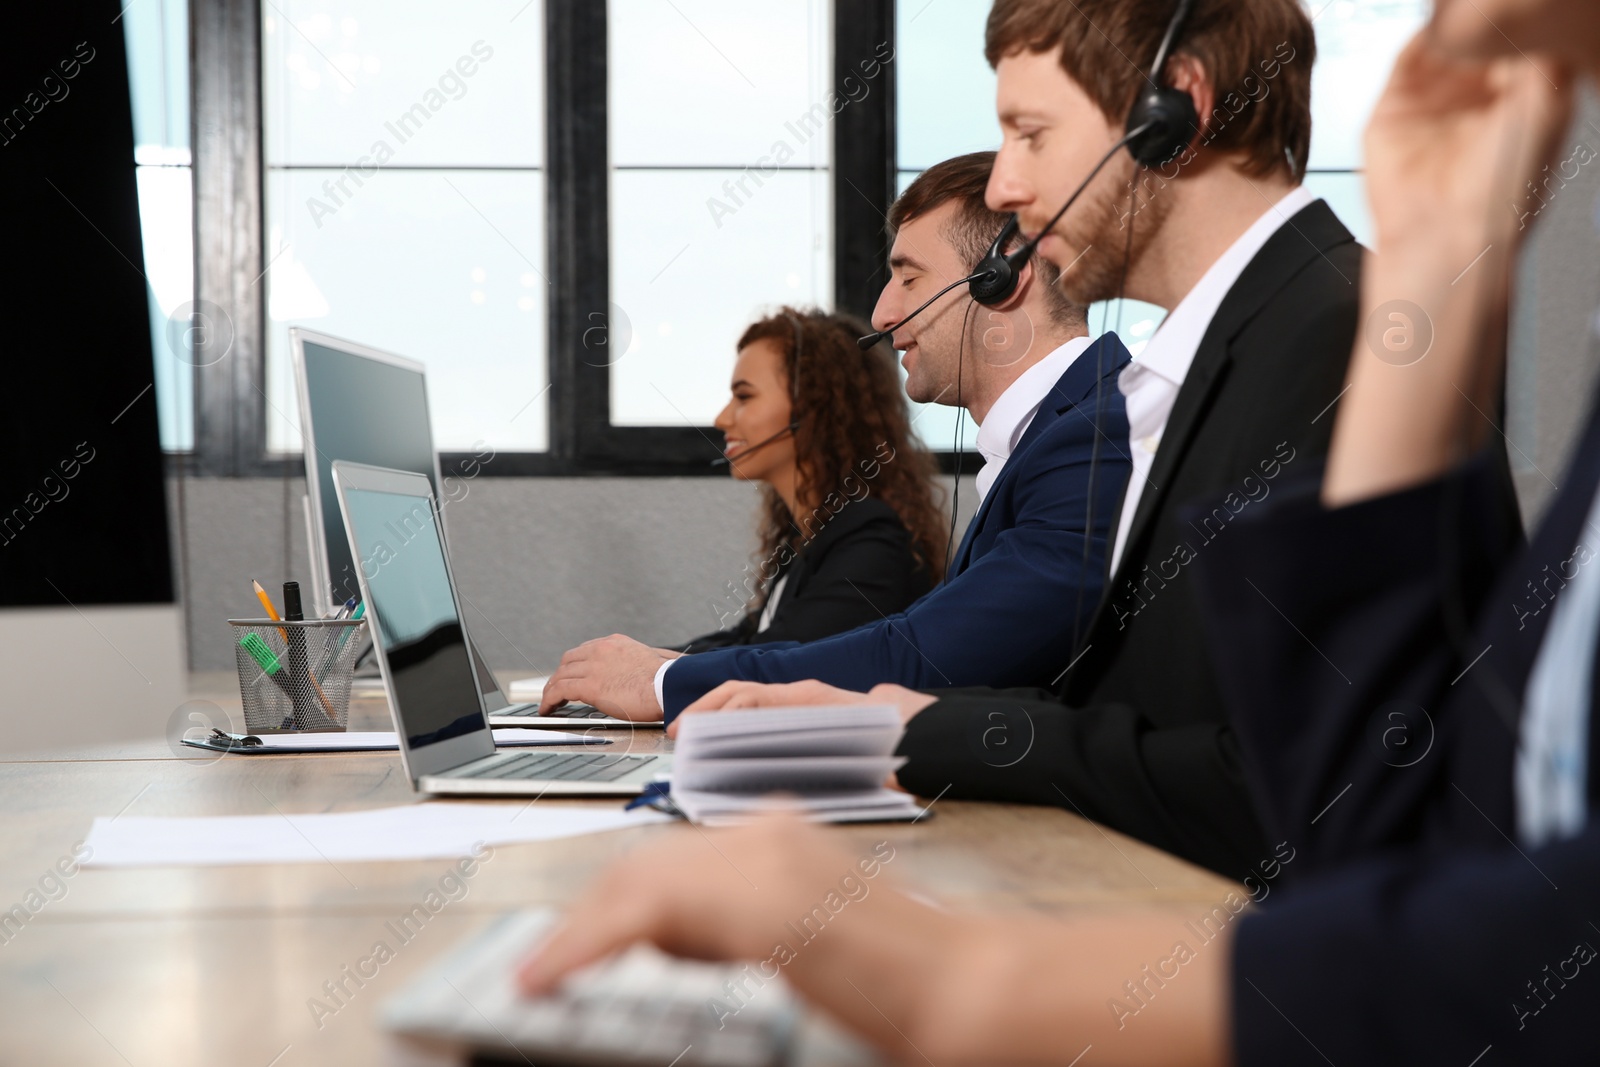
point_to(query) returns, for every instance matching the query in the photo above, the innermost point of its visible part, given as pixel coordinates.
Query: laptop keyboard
(566, 711)
(557, 767)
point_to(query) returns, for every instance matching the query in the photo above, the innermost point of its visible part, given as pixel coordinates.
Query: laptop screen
(419, 632)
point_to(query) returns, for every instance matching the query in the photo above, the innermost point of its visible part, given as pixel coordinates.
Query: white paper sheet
(416, 831)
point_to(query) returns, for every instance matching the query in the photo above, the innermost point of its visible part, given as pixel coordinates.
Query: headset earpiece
(995, 276)
(1168, 115)
(1172, 123)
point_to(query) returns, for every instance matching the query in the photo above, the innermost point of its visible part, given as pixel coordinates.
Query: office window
(946, 90)
(1357, 41)
(404, 149)
(720, 125)
(157, 37)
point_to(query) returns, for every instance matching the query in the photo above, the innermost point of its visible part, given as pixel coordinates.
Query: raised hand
(1451, 149)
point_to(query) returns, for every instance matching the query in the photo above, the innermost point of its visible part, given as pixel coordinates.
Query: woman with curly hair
(852, 523)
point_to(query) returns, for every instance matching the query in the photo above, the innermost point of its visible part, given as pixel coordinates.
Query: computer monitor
(365, 406)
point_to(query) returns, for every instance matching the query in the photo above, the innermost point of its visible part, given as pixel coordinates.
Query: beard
(1111, 251)
(941, 351)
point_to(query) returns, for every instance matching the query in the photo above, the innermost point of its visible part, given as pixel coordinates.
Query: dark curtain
(83, 517)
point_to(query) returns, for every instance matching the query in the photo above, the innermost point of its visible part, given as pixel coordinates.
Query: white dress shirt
(1151, 382)
(771, 608)
(1015, 408)
(1002, 428)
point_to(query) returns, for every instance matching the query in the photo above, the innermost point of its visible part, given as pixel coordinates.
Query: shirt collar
(1170, 352)
(1014, 409)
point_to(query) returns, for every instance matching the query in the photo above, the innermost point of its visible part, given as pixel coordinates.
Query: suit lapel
(1105, 356)
(1307, 235)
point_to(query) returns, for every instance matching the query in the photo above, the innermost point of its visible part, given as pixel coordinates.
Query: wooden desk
(215, 965)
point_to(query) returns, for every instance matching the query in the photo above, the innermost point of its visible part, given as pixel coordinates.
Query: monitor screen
(364, 410)
(418, 630)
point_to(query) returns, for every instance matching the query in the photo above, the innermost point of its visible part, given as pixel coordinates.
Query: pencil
(266, 602)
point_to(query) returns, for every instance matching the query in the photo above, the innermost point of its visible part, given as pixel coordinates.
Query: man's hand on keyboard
(922, 984)
(616, 674)
(766, 893)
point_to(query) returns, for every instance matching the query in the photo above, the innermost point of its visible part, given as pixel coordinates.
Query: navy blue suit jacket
(999, 618)
(1379, 731)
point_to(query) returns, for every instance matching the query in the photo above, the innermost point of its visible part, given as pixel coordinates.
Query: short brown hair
(973, 227)
(1106, 46)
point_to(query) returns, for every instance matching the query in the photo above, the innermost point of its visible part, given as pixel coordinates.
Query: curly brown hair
(853, 429)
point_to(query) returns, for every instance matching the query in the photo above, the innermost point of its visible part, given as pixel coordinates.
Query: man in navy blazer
(1053, 435)
(998, 620)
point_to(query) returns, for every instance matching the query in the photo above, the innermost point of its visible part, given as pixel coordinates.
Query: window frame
(229, 174)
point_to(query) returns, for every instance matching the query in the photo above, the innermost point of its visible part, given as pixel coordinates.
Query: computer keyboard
(640, 1008)
(554, 766)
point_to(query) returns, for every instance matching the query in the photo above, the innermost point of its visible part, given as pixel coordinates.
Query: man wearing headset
(1237, 387)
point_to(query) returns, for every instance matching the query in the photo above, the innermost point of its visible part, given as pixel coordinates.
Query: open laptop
(426, 661)
(363, 405)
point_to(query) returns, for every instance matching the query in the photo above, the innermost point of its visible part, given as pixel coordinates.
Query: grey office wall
(542, 562)
(1555, 356)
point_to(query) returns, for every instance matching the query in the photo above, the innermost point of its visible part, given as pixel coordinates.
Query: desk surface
(217, 965)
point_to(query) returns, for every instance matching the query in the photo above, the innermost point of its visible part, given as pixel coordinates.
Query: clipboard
(367, 741)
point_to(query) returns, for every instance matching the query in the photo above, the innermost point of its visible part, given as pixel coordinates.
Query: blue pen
(656, 795)
(330, 650)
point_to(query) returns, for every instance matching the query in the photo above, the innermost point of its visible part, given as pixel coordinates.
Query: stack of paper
(829, 763)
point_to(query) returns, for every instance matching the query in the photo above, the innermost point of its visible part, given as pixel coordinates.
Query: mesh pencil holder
(295, 676)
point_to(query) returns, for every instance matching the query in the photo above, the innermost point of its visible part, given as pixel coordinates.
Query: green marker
(260, 653)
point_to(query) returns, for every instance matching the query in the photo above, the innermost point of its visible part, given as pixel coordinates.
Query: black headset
(794, 394)
(1161, 124)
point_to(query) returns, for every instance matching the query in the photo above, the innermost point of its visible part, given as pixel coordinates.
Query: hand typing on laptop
(615, 674)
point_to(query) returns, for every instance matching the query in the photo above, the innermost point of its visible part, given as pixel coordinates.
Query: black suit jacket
(1372, 720)
(859, 565)
(1380, 730)
(1137, 736)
